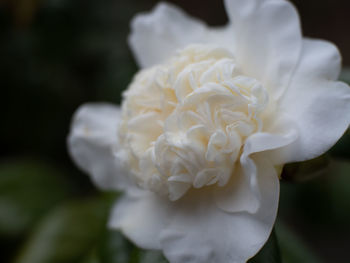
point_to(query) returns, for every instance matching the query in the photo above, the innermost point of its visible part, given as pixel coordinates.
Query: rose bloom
(206, 126)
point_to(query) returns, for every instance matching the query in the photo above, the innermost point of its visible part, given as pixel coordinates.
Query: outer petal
(267, 40)
(318, 105)
(201, 232)
(141, 215)
(92, 136)
(244, 192)
(157, 35)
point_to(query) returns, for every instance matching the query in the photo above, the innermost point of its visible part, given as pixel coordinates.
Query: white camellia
(206, 126)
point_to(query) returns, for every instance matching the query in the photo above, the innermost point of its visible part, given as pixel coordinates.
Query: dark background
(56, 55)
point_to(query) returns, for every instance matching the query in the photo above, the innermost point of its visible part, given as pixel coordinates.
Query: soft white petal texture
(157, 35)
(267, 40)
(238, 195)
(91, 140)
(318, 104)
(201, 232)
(141, 215)
(244, 193)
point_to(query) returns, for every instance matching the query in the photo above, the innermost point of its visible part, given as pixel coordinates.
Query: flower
(206, 126)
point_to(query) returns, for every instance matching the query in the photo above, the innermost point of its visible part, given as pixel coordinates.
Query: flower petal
(201, 232)
(157, 35)
(244, 191)
(140, 215)
(237, 195)
(92, 136)
(267, 40)
(318, 105)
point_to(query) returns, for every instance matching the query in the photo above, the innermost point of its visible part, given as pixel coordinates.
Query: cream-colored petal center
(185, 121)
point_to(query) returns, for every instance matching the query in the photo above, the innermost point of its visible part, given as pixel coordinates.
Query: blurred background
(56, 55)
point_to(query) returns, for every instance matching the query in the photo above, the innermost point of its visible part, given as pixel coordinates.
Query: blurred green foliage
(67, 233)
(29, 189)
(292, 248)
(58, 54)
(270, 253)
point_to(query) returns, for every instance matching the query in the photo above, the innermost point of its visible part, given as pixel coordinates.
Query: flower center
(185, 121)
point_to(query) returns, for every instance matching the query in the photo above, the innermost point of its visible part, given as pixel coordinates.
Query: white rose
(206, 126)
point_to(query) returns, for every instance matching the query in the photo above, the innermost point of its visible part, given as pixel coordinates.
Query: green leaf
(115, 248)
(341, 148)
(322, 203)
(68, 234)
(270, 253)
(293, 249)
(29, 188)
(91, 258)
(345, 75)
(339, 195)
